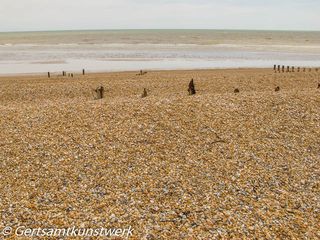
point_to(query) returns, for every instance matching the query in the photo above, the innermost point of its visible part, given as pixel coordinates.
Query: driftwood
(99, 92)
(145, 93)
(236, 90)
(191, 89)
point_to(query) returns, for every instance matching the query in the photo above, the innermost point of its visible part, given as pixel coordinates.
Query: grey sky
(22, 15)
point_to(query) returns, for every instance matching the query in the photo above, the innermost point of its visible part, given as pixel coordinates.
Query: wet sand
(170, 165)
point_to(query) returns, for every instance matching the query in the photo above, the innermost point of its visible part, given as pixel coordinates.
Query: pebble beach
(215, 165)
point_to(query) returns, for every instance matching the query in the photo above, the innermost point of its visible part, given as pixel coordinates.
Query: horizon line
(164, 29)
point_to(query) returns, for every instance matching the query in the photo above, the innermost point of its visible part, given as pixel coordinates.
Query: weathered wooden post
(277, 89)
(48, 74)
(298, 69)
(72, 75)
(274, 67)
(145, 93)
(304, 69)
(83, 72)
(279, 68)
(282, 68)
(292, 69)
(99, 92)
(191, 89)
(288, 69)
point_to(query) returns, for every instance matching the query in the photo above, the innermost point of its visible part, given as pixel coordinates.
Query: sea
(132, 50)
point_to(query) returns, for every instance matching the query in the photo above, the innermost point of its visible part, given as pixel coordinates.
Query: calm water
(30, 52)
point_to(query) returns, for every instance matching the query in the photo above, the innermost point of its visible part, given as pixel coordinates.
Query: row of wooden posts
(191, 90)
(64, 73)
(279, 68)
(276, 68)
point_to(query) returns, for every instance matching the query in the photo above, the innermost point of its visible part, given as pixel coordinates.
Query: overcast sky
(24, 15)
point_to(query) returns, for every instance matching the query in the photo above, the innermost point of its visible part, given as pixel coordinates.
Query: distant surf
(116, 50)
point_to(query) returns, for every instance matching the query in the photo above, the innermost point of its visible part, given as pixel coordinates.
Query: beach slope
(172, 166)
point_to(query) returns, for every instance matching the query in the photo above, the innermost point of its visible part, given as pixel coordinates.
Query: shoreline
(88, 72)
